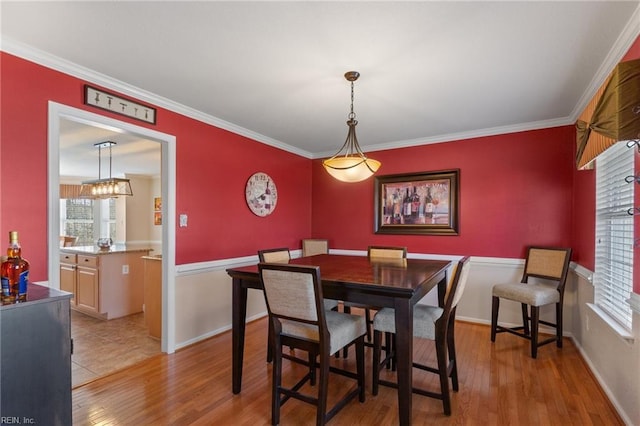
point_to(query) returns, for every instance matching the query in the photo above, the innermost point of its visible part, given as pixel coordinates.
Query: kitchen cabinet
(68, 274)
(105, 283)
(35, 359)
(153, 295)
(79, 275)
(88, 284)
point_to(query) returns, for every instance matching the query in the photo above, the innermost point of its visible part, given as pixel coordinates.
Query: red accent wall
(213, 166)
(515, 190)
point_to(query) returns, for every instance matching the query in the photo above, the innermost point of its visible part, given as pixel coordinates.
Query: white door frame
(168, 182)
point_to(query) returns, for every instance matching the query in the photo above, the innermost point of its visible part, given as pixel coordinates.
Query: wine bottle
(14, 272)
(428, 201)
(415, 204)
(407, 207)
(267, 197)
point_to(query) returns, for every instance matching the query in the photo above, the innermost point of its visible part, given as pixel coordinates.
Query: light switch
(183, 220)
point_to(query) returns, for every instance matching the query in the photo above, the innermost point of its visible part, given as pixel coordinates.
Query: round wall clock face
(261, 194)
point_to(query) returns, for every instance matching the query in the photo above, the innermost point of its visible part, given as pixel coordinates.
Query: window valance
(612, 115)
(69, 191)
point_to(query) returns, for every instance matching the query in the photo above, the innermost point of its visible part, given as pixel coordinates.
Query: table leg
(238, 323)
(404, 354)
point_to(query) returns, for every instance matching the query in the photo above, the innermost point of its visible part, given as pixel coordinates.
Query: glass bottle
(415, 205)
(14, 272)
(428, 201)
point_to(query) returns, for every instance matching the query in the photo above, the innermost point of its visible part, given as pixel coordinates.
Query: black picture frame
(433, 199)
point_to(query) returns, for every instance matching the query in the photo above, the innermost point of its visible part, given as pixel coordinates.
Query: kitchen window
(88, 219)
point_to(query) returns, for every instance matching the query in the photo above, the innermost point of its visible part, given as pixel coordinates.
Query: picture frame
(424, 203)
(157, 210)
(117, 104)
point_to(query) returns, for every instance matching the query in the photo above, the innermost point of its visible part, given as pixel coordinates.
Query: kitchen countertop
(114, 249)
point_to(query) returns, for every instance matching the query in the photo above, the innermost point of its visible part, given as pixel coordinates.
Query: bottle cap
(13, 236)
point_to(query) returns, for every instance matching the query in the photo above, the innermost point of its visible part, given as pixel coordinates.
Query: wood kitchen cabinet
(105, 284)
(68, 274)
(88, 284)
(80, 276)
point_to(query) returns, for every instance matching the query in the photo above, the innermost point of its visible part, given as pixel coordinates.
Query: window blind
(613, 277)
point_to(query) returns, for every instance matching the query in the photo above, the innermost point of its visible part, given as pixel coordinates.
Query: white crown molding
(451, 137)
(50, 61)
(621, 46)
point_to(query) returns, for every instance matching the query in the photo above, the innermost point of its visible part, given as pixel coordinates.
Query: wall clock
(261, 194)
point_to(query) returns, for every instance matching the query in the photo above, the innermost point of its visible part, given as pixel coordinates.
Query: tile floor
(103, 347)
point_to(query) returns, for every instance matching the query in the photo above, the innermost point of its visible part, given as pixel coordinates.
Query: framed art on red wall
(423, 203)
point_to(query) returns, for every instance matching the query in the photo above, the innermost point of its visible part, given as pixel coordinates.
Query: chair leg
(441, 353)
(313, 365)
(276, 383)
(367, 316)
(525, 319)
(495, 305)
(377, 348)
(269, 337)
(451, 346)
(323, 389)
(535, 316)
(360, 367)
(345, 351)
(388, 349)
(559, 324)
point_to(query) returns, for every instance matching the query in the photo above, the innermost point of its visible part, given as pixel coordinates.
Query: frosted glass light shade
(352, 168)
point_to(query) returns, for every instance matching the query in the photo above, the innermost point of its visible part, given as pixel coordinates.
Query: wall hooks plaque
(119, 105)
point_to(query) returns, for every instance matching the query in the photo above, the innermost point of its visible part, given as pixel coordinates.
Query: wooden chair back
(312, 246)
(549, 263)
(275, 255)
(388, 252)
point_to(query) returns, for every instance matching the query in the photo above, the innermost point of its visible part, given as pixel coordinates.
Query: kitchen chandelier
(350, 164)
(108, 187)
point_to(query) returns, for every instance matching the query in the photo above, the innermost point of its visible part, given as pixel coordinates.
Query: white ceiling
(430, 71)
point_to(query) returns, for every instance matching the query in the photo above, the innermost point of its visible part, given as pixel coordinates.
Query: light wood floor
(499, 385)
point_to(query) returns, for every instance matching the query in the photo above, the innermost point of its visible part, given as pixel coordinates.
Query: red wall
(213, 166)
(515, 190)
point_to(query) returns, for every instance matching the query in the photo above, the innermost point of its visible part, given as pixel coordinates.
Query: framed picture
(108, 101)
(417, 203)
(157, 204)
(157, 218)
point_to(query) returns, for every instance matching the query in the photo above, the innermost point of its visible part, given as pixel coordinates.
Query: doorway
(58, 113)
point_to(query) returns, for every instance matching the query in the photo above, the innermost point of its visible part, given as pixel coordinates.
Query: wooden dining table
(394, 283)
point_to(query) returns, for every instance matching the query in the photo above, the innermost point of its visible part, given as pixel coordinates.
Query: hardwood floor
(103, 347)
(499, 385)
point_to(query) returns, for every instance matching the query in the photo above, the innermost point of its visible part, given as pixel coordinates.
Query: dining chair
(274, 255)
(379, 253)
(551, 266)
(313, 246)
(435, 323)
(283, 255)
(294, 301)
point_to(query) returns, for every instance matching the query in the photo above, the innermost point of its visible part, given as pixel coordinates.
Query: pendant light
(350, 164)
(108, 187)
